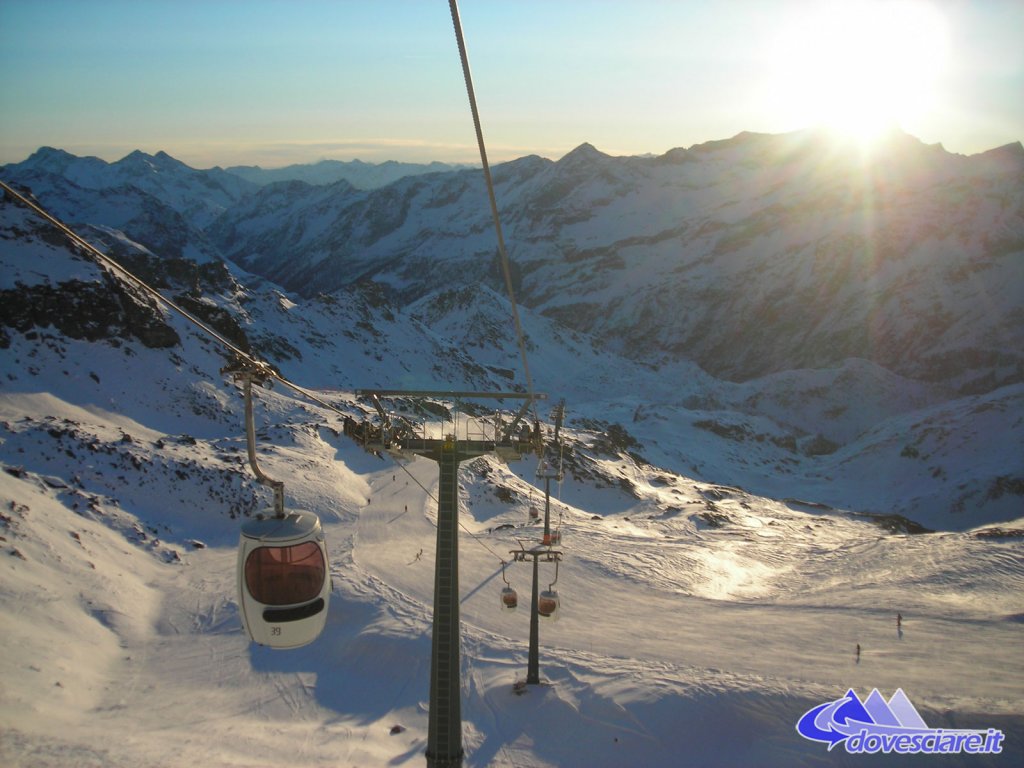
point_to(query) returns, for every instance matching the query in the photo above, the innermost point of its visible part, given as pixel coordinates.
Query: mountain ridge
(359, 174)
(750, 255)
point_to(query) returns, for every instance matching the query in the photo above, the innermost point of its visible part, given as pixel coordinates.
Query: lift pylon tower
(537, 554)
(548, 470)
(444, 726)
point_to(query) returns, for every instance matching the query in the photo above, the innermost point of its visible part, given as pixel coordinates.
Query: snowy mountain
(199, 196)
(151, 201)
(751, 256)
(359, 174)
(727, 543)
(756, 255)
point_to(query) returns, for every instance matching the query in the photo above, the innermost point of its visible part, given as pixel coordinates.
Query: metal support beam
(444, 723)
(444, 727)
(533, 664)
(450, 395)
(538, 554)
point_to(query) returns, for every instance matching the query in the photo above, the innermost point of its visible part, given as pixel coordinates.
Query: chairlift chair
(547, 601)
(283, 579)
(509, 597)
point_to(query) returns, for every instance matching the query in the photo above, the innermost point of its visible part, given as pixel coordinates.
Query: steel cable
(502, 252)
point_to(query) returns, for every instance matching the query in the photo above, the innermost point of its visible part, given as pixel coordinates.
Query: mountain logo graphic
(876, 725)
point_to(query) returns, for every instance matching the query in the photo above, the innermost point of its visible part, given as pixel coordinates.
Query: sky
(269, 83)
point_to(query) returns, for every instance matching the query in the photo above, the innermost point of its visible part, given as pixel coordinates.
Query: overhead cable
(502, 252)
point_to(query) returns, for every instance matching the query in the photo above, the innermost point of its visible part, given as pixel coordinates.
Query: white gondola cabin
(283, 579)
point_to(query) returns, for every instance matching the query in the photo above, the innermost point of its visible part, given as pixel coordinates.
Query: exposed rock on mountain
(85, 303)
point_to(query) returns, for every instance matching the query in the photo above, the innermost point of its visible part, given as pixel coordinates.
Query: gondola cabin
(509, 599)
(547, 603)
(283, 580)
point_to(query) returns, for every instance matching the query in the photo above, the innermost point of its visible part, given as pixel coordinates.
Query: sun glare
(859, 68)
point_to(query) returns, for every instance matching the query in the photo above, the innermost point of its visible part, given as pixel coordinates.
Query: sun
(858, 68)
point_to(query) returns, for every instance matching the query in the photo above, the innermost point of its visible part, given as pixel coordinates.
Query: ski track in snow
(668, 636)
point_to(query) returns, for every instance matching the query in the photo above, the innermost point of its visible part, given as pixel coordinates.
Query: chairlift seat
(283, 579)
(552, 539)
(547, 603)
(509, 599)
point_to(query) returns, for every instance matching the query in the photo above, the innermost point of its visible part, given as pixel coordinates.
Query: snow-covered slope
(708, 595)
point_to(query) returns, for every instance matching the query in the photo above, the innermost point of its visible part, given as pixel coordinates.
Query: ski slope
(676, 642)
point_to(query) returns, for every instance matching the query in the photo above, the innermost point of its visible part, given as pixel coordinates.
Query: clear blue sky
(225, 82)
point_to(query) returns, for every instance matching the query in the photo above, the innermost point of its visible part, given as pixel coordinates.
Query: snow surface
(677, 643)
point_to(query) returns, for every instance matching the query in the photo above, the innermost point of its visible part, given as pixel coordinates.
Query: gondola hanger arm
(247, 373)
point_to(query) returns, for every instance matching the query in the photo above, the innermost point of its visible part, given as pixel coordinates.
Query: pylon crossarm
(541, 554)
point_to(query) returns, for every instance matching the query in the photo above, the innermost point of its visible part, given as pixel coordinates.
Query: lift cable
(488, 179)
(241, 359)
(502, 252)
(114, 266)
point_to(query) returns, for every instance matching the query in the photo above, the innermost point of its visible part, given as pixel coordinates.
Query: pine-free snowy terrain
(727, 545)
(678, 643)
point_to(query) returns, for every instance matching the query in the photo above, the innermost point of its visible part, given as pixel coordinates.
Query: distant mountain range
(357, 173)
(753, 255)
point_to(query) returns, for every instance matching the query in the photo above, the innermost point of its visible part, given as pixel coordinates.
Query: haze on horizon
(269, 83)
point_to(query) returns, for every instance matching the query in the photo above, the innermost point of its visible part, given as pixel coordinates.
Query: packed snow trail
(640, 668)
(673, 639)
